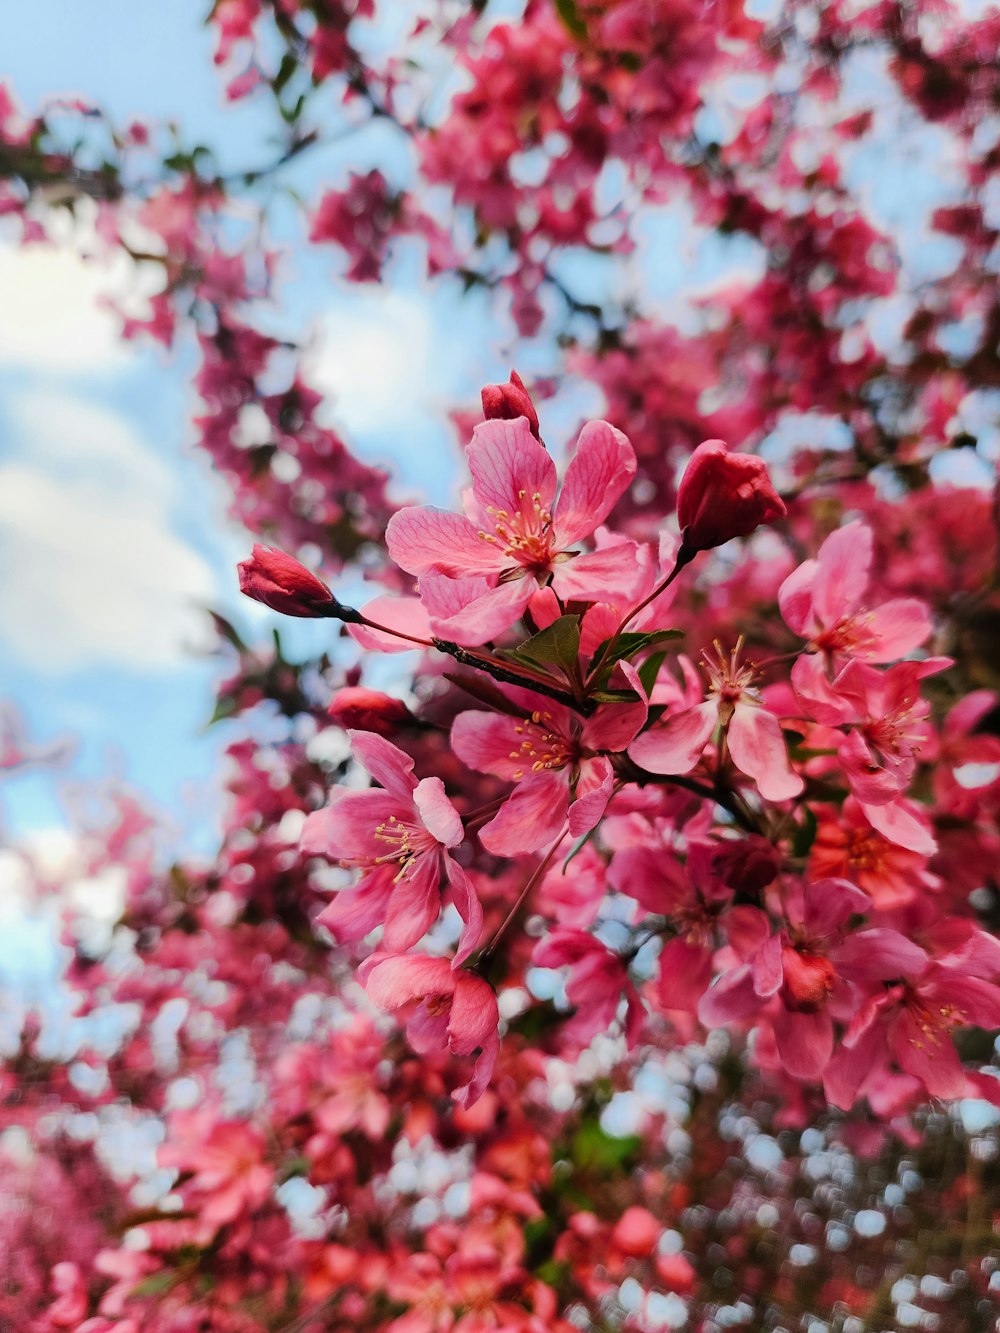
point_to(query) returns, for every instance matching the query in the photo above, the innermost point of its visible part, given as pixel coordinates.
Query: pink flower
(451, 1010)
(400, 834)
(885, 713)
(723, 495)
(518, 537)
(805, 966)
(507, 402)
(282, 583)
(556, 759)
(756, 744)
(229, 1175)
(912, 1023)
(598, 980)
(823, 600)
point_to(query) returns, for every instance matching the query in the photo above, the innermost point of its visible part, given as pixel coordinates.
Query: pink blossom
(517, 536)
(449, 1010)
(597, 982)
(753, 734)
(824, 601)
(400, 834)
(912, 1023)
(558, 761)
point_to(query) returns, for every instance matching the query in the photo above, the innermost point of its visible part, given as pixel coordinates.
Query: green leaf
(556, 645)
(627, 645)
(805, 833)
(614, 696)
(650, 669)
(570, 18)
(578, 847)
(595, 1150)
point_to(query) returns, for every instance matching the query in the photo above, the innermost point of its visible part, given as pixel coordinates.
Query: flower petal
(424, 541)
(758, 749)
(675, 746)
(510, 469)
(602, 467)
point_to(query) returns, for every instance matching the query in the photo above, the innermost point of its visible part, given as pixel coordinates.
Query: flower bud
(356, 708)
(509, 401)
(282, 583)
(723, 495)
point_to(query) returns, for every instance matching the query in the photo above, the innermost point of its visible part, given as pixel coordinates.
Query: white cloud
(93, 572)
(52, 319)
(375, 356)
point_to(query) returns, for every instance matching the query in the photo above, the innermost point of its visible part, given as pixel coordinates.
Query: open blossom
(885, 714)
(598, 979)
(723, 495)
(824, 601)
(229, 1176)
(449, 1009)
(756, 744)
(911, 1023)
(558, 760)
(400, 835)
(805, 967)
(517, 536)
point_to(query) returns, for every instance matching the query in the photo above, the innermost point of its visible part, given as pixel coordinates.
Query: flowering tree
(627, 969)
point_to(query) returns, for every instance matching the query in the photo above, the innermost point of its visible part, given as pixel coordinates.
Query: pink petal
(602, 467)
(346, 829)
(531, 818)
(852, 1067)
(438, 815)
(401, 613)
(732, 997)
(474, 1014)
(472, 1091)
(767, 968)
(685, 971)
(470, 909)
(675, 746)
(795, 598)
(878, 954)
(386, 762)
(353, 913)
(613, 726)
(414, 906)
(899, 626)
(510, 469)
(929, 1056)
(805, 1042)
(758, 749)
(393, 982)
(900, 826)
(491, 743)
(818, 698)
(425, 541)
(830, 902)
(598, 777)
(483, 616)
(609, 575)
(842, 577)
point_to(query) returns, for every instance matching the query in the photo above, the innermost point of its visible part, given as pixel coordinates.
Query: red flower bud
(508, 401)
(358, 709)
(723, 495)
(282, 583)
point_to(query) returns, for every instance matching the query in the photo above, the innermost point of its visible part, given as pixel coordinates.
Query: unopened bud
(723, 495)
(284, 584)
(505, 402)
(356, 708)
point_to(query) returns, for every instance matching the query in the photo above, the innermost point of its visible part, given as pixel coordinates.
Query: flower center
(406, 843)
(852, 634)
(526, 536)
(809, 979)
(542, 749)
